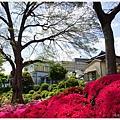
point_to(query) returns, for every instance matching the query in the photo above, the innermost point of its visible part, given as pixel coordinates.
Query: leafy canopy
(57, 72)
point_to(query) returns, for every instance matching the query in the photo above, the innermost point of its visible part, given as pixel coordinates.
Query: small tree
(27, 81)
(3, 79)
(57, 72)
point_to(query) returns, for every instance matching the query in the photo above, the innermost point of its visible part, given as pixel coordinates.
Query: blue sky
(101, 46)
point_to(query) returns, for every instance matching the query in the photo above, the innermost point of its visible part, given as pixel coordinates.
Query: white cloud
(7, 68)
(100, 46)
(117, 46)
(115, 24)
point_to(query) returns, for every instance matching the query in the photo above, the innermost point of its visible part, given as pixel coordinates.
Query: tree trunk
(17, 81)
(105, 20)
(110, 51)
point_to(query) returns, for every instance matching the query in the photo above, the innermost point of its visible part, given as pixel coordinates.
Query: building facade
(97, 67)
(40, 71)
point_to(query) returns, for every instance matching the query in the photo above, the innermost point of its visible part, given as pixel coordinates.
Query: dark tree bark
(105, 20)
(17, 81)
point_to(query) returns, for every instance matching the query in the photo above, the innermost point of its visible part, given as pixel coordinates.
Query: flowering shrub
(102, 100)
(108, 101)
(72, 90)
(86, 90)
(93, 88)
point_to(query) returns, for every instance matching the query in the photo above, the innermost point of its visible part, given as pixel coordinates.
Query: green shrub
(61, 84)
(27, 80)
(25, 100)
(8, 88)
(52, 87)
(38, 92)
(36, 87)
(81, 83)
(71, 82)
(62, 89)
(51, 94)
(44, 94)
(28, 96)
(35, 93)
(5, 89)
(44, 86)
(27, 89)
(31, 91)
(57, 92)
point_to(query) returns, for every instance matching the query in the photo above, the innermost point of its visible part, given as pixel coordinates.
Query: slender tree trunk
(110, 51)
(17, 81)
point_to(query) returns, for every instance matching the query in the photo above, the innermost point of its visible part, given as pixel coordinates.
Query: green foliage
(44, 86)
(81, 83)
(26, 100)
(5, 89)
(3, 79)
(27, 79)
(57, 92)
(62, 89)
(36, 87)
(1, 64)
(57, 72)
(61, 84)
(50, 94)
(52, 87)
(31, 91)
(44, 94)
(29, 96)
(71, 82)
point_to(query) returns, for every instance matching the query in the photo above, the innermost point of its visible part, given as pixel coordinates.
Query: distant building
(97, 67)
(40, 77)
(77, 65)
(40, 71)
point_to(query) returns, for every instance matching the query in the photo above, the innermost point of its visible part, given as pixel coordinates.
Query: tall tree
(42, 27)
(105, 20)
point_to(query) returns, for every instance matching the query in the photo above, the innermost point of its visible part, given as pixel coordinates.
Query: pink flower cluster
(99, 99)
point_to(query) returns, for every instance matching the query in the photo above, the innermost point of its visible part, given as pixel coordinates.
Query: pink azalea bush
(98, 99)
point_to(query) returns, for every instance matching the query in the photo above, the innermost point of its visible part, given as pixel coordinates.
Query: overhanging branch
(4, 20)
(33, 61)
(43, 39)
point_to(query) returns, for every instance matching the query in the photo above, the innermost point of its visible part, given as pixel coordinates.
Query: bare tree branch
(7, 58)
(43, 39)
(10, 24)
(33, 61)
(103, 17)
(4, 20)
(115, 11)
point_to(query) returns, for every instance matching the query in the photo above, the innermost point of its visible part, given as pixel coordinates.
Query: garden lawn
(98, 99)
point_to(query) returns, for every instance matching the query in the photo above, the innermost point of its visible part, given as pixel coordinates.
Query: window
(92, 76)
